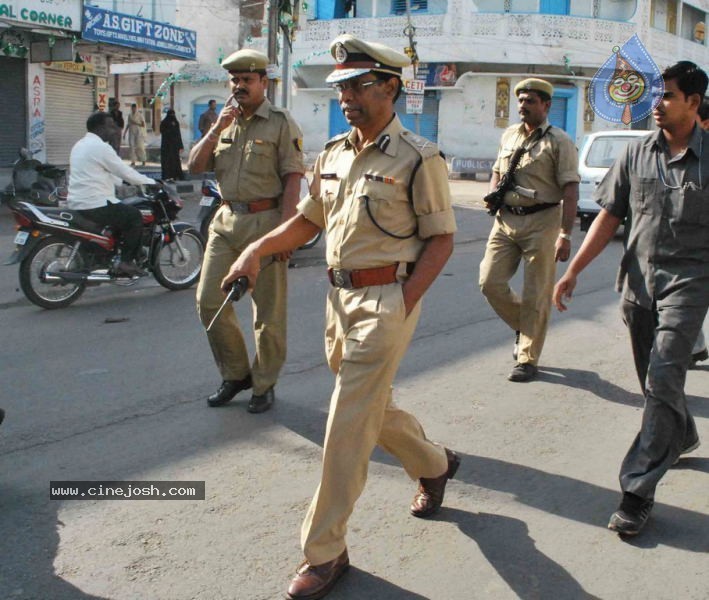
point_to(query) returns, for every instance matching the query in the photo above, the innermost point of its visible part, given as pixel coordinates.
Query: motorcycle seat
(75, 217)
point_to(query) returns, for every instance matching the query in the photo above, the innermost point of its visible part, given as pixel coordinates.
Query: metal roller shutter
(13, 109)
(68, 104)
(425, 124)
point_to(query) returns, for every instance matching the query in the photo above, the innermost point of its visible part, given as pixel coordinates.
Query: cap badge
(340, 53)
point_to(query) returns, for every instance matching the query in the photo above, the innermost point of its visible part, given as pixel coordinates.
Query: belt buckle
(239, 208)
(342, 278)
(516, 210)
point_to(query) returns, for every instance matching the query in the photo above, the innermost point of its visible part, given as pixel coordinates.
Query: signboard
(437, 74)
(35, 100)
(110, 27)
(91, 64)
(414, 86)
(54, 14)
(414, 104)
(102, 93)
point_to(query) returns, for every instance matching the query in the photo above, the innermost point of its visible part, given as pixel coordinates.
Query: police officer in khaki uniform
(533, 225)
(255, 150)
(382, 195)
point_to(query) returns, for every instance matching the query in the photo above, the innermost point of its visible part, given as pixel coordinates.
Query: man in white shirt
(94, 171)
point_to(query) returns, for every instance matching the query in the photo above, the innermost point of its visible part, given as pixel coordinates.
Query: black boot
(227, 390)
(261, 402)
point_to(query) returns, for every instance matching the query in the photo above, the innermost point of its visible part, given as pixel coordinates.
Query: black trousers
(127, 222)
(662, 342)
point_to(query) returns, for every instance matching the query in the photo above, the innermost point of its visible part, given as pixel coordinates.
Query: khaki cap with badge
(246, 61)
(534, 85)
(355, 57)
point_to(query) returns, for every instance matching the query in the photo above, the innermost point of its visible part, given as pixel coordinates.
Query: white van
(598, 152)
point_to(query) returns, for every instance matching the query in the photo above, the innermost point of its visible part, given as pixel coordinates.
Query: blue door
(197, 110)
(563, 110)
(425, 125)
(554, 7)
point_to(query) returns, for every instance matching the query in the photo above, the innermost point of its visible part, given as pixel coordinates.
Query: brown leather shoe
(429, 497)
(313, 582)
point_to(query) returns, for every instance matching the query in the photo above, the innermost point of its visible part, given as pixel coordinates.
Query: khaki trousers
(366, 337)
(229, 234)
(136, 143)
(531, 238)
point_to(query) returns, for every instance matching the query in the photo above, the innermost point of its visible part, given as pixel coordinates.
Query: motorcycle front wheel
(178, 263)
(51, 255)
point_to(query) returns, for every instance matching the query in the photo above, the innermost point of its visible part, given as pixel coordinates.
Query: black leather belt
(528, 210)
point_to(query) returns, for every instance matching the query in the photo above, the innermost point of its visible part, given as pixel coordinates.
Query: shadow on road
(584, 502)
(357, 584)
(29, 549)
(591, 381)
(508, 547)
(555, 494)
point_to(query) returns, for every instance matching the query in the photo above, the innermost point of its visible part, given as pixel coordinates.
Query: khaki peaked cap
(534, 85)
(356, 57)
(245, 61)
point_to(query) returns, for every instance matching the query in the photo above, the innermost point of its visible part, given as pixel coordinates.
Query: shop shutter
(425, 124)
(557, 112)
(13, 109)
(68, 103)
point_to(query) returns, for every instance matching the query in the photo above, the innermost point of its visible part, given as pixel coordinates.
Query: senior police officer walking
(659, 184)
(382, 194)
(255, 150)
(534, 224)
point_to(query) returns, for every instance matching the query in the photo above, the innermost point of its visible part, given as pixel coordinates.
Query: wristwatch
(565, 236)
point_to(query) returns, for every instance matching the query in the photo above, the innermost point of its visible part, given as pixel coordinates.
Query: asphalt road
(89, 399)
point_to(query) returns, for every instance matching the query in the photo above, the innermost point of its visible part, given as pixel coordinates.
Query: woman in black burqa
(170, 147)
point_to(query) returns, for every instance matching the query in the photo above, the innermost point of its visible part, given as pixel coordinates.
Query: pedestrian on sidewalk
(208, 118)
(171, 147)
(382, 195)
(534, 223)
(658, 186)
(255, 150)
(136, 135)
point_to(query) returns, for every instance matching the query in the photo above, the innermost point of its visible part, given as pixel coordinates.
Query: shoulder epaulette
(426, 148)
(337, 138)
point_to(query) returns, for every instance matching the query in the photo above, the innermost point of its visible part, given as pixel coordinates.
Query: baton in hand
(238, 289)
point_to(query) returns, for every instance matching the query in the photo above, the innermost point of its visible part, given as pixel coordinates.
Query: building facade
(55, 59)
(473, 52)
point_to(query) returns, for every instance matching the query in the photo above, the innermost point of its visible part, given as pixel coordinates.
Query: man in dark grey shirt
(661, 186)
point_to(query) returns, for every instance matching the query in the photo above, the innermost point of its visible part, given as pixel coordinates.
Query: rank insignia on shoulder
(328, 176)
(380, 178)
(426, 148)
(298, 143)
(226, 140)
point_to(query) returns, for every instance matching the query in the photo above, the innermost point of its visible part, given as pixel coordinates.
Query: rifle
(496, 198)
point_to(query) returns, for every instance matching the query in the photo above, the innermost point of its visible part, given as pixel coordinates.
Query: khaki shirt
(382, 171)
(253, 155)
(551, 163)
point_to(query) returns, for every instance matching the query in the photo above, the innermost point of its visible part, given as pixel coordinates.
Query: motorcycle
(37, 182)
(212, 199)
(61, 252)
